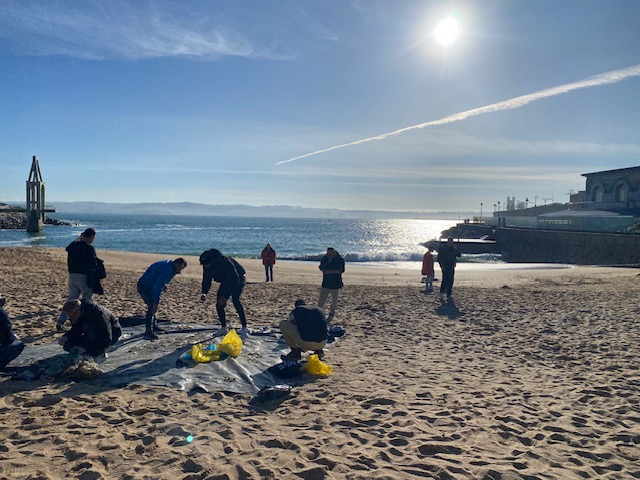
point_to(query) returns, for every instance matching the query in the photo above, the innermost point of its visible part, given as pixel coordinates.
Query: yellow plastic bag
(315, 366)
(231, 344)
(203, 355)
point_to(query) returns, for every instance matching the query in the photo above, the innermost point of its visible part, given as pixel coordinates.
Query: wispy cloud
(614, 76)
(121, 29)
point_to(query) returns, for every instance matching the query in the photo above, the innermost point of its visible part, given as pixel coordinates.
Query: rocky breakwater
(12, 220)
(18, 220)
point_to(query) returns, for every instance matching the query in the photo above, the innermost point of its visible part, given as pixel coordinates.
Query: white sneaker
(221, 332)
(100, 358)
(244, 333)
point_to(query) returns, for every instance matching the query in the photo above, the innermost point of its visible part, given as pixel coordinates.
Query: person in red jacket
(427, 270)
(268, 260)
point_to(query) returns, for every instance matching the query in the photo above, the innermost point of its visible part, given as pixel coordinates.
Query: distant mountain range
(188, 208)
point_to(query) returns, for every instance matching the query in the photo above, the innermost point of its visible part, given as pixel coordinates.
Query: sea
(383, 242)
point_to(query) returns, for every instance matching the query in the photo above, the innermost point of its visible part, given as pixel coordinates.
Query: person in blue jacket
(10, 344)
(151, 285)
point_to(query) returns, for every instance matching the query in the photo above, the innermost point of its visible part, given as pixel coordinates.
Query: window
(622, 193)
(596, 196)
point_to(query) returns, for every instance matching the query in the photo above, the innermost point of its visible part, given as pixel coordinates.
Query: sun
(446, 32)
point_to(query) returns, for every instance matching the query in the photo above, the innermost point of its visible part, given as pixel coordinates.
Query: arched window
(622, 193)
(596, 196)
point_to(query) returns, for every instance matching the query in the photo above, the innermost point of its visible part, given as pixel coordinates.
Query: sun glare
(446, 32)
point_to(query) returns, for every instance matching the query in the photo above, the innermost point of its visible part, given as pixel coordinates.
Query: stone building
(614, 190)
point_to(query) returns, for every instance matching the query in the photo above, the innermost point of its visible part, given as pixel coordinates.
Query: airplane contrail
(606, 78)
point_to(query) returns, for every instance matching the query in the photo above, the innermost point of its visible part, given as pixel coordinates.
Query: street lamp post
(526, 207)
(480, 212)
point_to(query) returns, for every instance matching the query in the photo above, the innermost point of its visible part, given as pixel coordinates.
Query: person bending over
(151, 285)
(93, 328)
(231, 277)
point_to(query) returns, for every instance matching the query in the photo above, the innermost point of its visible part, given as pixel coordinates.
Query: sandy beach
(528, 374)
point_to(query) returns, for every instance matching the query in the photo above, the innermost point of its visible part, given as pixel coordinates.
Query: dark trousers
(147, 297)
(235, 298)
(268, 270)
(448, 272)
(10, 352)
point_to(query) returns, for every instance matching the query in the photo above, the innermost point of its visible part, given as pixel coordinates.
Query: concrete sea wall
(522, 245)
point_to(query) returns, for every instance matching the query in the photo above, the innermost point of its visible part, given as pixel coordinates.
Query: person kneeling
(93, 328)
(305, 329)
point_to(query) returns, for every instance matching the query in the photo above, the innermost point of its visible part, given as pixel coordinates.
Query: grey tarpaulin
(136, 361)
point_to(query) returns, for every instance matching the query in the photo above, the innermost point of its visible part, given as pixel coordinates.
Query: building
(614, 190)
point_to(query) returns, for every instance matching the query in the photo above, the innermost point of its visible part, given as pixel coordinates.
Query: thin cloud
(614, 76)
(115, 29)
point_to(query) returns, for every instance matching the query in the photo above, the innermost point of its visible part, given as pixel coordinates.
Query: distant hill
(188, 208)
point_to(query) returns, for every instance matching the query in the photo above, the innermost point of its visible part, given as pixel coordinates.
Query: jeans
(147, 297)
(78, 287)
(10, 352)
(268, 270)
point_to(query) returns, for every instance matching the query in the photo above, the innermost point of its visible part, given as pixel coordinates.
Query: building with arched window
(614, 190)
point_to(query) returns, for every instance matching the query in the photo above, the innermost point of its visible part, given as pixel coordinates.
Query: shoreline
(307, 273)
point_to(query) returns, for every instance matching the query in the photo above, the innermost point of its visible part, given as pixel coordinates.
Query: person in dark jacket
(231, 277)
(268, 260)
(305, 329)
(332, 267)
(10, 344)
(151, 284)
(82, 264)
(93, 328)
(447, 255)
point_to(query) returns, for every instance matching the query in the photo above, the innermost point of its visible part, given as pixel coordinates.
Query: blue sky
(170, 101)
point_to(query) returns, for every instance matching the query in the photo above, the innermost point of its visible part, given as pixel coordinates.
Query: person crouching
(93, 329)
(305, 329)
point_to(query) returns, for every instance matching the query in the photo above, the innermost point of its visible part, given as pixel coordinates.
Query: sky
(243, 102)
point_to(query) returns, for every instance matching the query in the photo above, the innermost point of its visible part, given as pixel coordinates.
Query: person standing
(82, 264)
(93, 329)
(427, 270)
(10, 345)
(152, 284)
(332, 267)
(268, 260)
(305, 329)
(447, 255)
(231, 277)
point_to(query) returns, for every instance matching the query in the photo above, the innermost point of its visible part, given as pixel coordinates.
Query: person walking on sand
(268, 260)
(332, 267)
(231, 277)
(151, 284)
(447, 255)
(10, 345)
(427, 270)
(82, 264)
(305, 329)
